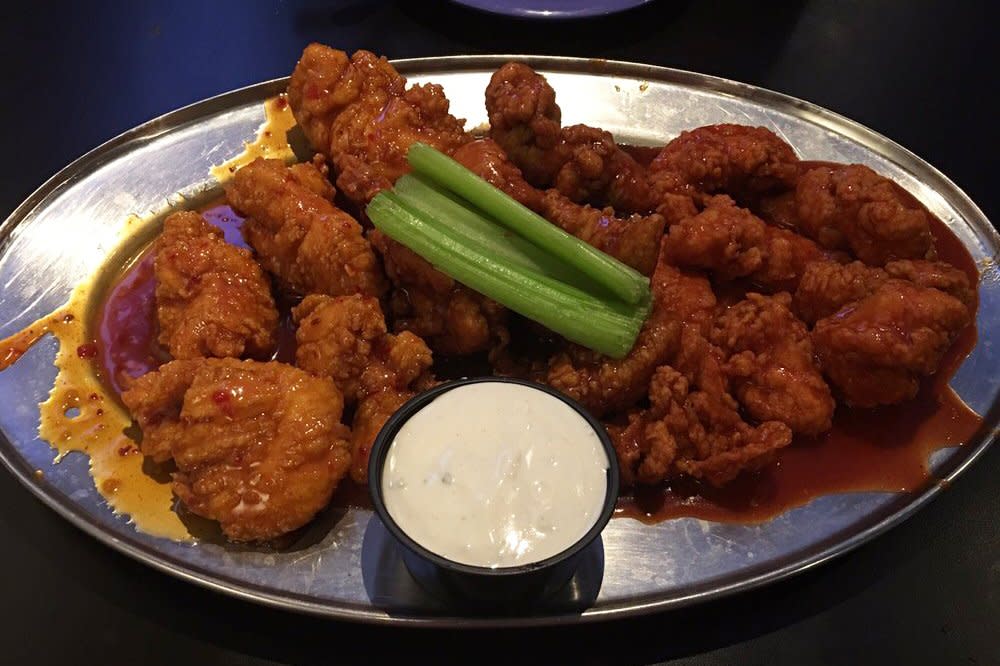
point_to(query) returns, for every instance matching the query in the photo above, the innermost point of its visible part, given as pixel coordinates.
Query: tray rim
(842, 125)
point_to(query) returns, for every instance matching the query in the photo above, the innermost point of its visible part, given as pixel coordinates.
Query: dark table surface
(76, 74)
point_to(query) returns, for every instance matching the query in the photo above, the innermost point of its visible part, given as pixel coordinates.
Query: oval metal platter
(345, 565)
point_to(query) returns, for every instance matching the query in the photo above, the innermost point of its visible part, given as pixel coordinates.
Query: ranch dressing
(495, 475)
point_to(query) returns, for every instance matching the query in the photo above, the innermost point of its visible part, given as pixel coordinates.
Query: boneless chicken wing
(346, 339)
(596, 169)
(583, 163)
(604, 384)
(738, 160)
(486, 159)
(875, 350)
(299, 235)
(212, 299)
(733, 243)
(259, 447)
(771, 366)
(828, 286)
(686, 294)
(937, 274)
(633, 240)
(852, 207)
(693, 428)
(358, 112)
(525, 120)
(693, 425)
(450, 317)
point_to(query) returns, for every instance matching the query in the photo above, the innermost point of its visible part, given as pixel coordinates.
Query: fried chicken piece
(827, 286)
(595, 169)
(212, 299)
(346, 339)
(603, 384)
(372, 413)
(673, 198)
(875, 350)
(259, 447)
(486, 159)
(525, 120)
(733, 243)
(358, 112)
(583, 163)
(686, 294)
(739, 160)
(453, 319)
(299, 235)
(694, 432)
(852, 207)
(634, 241)
(937, 274)
(771, 366)
(693, 426)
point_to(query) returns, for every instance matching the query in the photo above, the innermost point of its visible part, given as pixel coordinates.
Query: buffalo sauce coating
(83, 412)
(882, 449)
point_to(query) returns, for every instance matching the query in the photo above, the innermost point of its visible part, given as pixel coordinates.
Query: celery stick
(621, 280)
(595, 323)
(435, 204)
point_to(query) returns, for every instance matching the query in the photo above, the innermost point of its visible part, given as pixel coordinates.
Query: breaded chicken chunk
(603, 384)
(633, 240)
(582, 163)
(212, 299)
(346, 339)
(450, 317)
(851, 207)
(738, 160)
(486, 159)
(693, 426)
(875, 350)
(771, 366)
(259, 447)
(828, 286)
(309, 244)
(358, 112)
(732, 242)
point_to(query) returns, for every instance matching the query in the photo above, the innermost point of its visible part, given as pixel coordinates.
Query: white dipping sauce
(495, 475)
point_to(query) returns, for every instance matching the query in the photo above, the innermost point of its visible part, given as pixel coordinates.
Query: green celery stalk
(598, 324)
(461, 220)
(623, 281)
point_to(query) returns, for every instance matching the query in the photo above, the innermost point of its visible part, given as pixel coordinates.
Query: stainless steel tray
(346, 566)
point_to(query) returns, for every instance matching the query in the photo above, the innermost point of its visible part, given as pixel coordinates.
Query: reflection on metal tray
(344, 565)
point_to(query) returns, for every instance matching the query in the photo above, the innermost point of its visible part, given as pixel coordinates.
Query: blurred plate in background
(552, 9)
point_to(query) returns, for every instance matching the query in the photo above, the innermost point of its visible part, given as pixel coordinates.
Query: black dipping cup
(503, 585)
